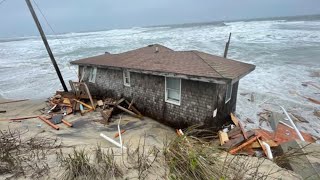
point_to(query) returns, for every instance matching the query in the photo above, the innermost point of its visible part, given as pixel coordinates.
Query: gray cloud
(86, 15)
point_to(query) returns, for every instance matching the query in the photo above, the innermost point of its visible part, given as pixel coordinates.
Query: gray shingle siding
(198, 99)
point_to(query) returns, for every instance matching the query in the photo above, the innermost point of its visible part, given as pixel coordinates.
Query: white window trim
(166, 93)
(93, 74)
(124, 78)
(231, 87)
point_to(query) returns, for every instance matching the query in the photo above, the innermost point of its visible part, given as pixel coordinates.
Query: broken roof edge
(166, 74)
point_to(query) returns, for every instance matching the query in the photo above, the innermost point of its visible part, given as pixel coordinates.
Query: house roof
(158, 58)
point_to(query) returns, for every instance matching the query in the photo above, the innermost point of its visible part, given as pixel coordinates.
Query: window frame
(93, 74)
(168, 100)
(228, 96)
(125, 77)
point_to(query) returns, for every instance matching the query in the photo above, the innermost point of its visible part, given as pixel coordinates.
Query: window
(173, 90)
(93, 74)
(126, 78)
(228, 92)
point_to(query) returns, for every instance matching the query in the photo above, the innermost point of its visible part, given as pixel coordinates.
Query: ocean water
(286, 53)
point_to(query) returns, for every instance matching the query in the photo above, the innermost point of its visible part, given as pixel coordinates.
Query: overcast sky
(88, 15)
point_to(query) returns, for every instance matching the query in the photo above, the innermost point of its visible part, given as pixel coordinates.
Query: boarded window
(173, 90)
(228, 92)
(126, 78)
(93, 74)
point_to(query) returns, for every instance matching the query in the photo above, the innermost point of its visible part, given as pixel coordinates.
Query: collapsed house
(180, 88)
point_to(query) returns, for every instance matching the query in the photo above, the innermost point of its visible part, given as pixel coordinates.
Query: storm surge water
(286, 53)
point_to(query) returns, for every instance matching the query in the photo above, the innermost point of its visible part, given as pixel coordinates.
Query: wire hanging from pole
(54, 33)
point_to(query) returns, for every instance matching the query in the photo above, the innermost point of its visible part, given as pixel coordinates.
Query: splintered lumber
(117, 134)
(234, 119)
(242, 130)
(235, 150)
(106, 114)
(128, 111)
(223, 137)
(48, 122)
(234, 142)
(86, 105)
(120, 101)
(268, 141)
(233, 132)
(66, 123)
(131, 107)
(23, 118)
(7, 102)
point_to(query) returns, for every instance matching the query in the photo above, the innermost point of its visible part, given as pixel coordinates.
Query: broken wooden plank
(66, 123)
(86, 105)
(235, 150)
(13, 101)
(223, 137)
(106, 114)
(120, 101)
(48, 122)
(242, 130)
(234, 142)
(20, 118)
(233, 132)
(128, 111)
(234, 119)
(134, 109)
(269, 141)
(129, 107)
(117, 134)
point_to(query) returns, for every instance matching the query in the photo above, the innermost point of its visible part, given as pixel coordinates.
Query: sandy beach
(85, 135)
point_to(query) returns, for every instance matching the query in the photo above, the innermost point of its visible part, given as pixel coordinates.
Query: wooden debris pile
(79, 100)
(236, 140)
(109, 106)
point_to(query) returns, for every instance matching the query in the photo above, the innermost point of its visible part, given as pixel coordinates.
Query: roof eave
(162, 73)
(244, 74)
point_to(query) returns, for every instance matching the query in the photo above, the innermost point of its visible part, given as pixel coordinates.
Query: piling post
(227, 47)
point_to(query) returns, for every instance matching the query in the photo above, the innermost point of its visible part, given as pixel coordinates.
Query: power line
(44, 17)
(54, 33)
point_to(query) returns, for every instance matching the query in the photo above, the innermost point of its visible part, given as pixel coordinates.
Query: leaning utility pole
(44, 39)
(227, 47)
